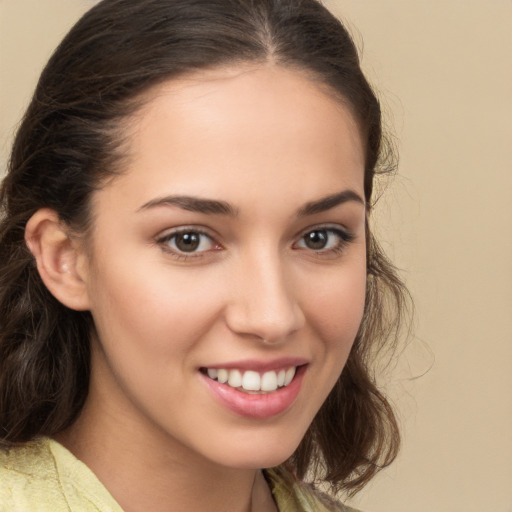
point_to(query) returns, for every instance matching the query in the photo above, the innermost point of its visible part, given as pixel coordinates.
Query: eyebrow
(193, 204)
(215, 207)
(328, 202)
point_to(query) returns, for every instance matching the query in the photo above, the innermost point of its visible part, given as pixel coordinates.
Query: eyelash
(165, 240)
(344, 238)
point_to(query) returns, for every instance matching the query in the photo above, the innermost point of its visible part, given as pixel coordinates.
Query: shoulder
(42, 475)
(293, 496)
(317, 501)
(28, 479)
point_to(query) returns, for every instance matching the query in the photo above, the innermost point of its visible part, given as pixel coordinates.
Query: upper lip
(260, 365)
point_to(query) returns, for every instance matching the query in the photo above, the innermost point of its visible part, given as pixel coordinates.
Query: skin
(267, 141)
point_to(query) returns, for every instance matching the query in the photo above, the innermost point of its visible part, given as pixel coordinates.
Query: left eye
(323, 239)
(189, 242)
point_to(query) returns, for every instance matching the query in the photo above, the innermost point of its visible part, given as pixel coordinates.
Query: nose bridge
(264, 303)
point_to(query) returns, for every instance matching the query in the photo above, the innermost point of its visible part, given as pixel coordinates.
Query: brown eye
(325, 240)
(188, 242)
(316, 240)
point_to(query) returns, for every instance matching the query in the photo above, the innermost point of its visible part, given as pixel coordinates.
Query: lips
(256, 391)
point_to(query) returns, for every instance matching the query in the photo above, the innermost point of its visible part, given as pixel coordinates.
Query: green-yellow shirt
(43, 476)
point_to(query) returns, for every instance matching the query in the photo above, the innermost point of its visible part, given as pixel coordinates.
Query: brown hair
(69, 142)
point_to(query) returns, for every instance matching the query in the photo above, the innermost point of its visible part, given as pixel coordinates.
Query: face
(226, 273)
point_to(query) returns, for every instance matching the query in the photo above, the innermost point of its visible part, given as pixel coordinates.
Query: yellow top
(43, 476)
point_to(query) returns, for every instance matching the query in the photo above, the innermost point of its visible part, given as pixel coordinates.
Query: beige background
(443, 68)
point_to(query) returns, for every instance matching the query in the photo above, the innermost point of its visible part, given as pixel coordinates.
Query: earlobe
(58, 258)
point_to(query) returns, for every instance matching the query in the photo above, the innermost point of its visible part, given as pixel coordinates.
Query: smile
(254, 394)
(250, 381)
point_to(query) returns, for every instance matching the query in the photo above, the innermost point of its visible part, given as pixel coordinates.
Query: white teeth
(269, 381)
(290, 373)
(251, 380)
(235, 378)
(222, 376)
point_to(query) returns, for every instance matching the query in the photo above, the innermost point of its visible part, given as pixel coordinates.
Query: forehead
(226, 129)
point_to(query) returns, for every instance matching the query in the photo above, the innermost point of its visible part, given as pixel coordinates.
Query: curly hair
(70, 141)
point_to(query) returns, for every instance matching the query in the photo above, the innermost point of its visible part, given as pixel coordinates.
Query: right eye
(188, 242)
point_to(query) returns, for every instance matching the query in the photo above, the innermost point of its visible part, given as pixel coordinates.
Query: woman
(190, 292)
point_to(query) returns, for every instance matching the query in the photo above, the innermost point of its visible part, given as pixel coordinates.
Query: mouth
(255, 390)
(252, 381)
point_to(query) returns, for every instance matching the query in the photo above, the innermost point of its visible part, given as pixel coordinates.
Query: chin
(261, 452)
(258, 461)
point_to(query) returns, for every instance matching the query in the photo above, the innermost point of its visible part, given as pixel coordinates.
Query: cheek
(155, 314)
(339, 307)
(335, 312)
(148, 328)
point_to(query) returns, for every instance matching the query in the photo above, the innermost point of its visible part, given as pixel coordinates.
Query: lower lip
(257, 406)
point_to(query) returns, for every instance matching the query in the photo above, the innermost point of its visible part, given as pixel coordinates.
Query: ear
(60, 260)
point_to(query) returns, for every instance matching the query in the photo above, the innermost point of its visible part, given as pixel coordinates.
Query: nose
(263, 301)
